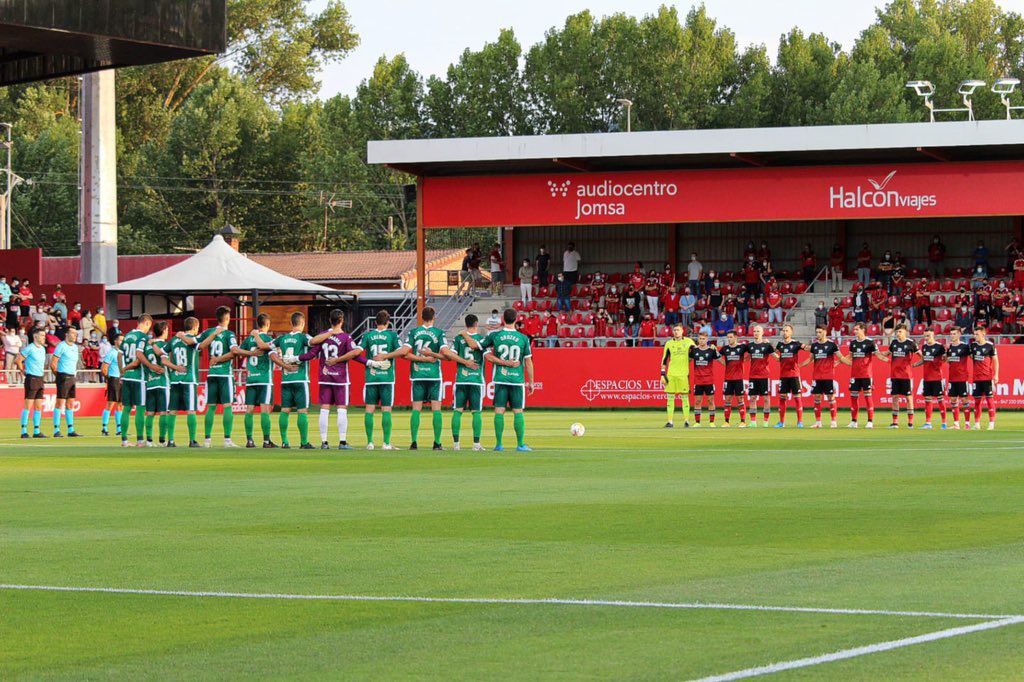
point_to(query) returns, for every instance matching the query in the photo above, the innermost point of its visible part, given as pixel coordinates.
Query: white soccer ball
(577, 430)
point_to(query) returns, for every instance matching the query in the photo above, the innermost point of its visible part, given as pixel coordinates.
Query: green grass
(855, 519)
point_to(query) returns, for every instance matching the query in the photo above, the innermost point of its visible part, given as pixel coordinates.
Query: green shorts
(295, 395)
(676, 385)
(379, 394)
(184, 398)
(220, 390)
(426, 390)
(510, 395)
(133, 393)
(469, 397)
(157, 398)
(259, 394)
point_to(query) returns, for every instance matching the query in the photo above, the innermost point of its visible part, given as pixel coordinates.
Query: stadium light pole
(13, 180)
(967, 89)
(926, 90)
(1004, 87)
(628, 103)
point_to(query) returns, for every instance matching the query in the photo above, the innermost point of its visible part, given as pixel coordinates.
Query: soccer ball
(577, 430)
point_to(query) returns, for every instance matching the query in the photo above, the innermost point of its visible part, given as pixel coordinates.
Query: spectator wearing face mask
(648, 330)
(936, 257)
(980, 256)
(835, 321)
(963, 318)
(694, 273)
(724, 324)
(687, 304)
(774, 303)
(563, 293)
(885, 270)
(821, 315)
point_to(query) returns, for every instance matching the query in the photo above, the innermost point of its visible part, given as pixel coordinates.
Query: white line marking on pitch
(862, 651)
(510, 601)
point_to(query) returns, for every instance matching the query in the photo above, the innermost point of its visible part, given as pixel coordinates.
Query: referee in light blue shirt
(64, 365)
(32, 362)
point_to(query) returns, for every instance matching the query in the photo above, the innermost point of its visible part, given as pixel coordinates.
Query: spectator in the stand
(648, 330)
(767, 276)
(5, 298)
(835, 321)
(631, 304)
(571, 263)
(889, 322)
(821, 315)
(100, 321)
(12, 346)
(668, 277)
(936, 257)
(774, 302)
(1011, 313)
(963, 318)
(979, 277)
(563, 293)
(876, 298)
(551, 329)
(26, 298)
(637, 278)
(724, 324)
(1013, 249)
(837, 266)
(74, 315)
(982, 297)
(729, 307)
(603, 323)
(632, 330)
(808, 263)
(652, 290)
(885, 269)
(597, 288)
(41, 316)
(670, 303)
(715, 298)
(861, 304)
(897, 283)
(743, 306)
(764, 254)
(687, 304)
(709, 282)
(13, 309)
(493, 322)
(497, 270)
(983, 317)
(864, 265)
(464, 269)
(899, 262)
(526, 281)
(980, 256)
(749, 251)
(613, 302)
(694, 273)
(59, 307)
(704, 327)
(543, 265)
(1018, 272)
(87, 326)
(923, 304)
(907, 296)
(1000, 296)
(752, 275)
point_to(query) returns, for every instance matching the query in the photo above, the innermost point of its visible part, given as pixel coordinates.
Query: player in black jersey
(703, 357)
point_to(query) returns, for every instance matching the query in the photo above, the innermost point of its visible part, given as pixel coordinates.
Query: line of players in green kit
(157, 375)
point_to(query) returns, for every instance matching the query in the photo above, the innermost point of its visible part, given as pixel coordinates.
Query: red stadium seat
(892, 301)
(964, 284)
(517, 305)
(566, 344)
(848, 317)
(874, 330)
(521, 317)
(544, 306)
(948, 286)
(1006, 340)
(531, 306)
(918, 329)
(586, 304)
(959, 272)
(588, 318)
(799, 288)
(576, 318)
(786, 288)
(611, 344)
(769, 331)
(563, 318)
(702, 304)
(847, 302)
(589, 332)
(762, 316)
(583, 344)
(584, 291)
(938, 300)
(942, 315)
(564, 332)
(936, 327)
(542, 292)
(665, 332)
(759, 302)
(614, 278)
(789, 302)
(933, 285)
(995, 327)
(740, 330)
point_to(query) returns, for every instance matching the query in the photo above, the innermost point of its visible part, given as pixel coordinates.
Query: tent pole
(255, 305)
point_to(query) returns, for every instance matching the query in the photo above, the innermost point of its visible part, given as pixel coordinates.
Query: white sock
(342, 423)
(325, 418)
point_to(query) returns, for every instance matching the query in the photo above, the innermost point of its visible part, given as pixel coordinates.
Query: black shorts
(789, 385)
(823, 387)
(33, 388)
(860, 385)
(957, 389)
(899, 386)
(704, 389)
(982, 389)
(932, 389)
(733, 387)
(757, 387)
(65, 386)
(113, 389)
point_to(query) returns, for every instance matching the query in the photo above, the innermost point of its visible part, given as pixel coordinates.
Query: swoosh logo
(881, 185)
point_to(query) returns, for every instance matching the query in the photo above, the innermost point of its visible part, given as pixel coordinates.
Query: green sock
(126, 419)
(671, 407)
(229, 421)
(686, 408)
(172, 420)
(456, 424)
(304, 427)
(499, 427)
(368, 426)
(519, 424)
(249, 424)
(414, 425)
(385, 421)
(282, 423)
(162, 421)
(438, 425)
(211, 414)
(140, 423)
(149, 426)
(193, 427)
(265, 425)
(478, 426)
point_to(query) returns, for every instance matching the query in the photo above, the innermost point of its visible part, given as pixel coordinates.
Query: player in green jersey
(469, 379)
(382, 348)
(424, 344)
(509, 351)
(133, 387)
(220, 386)
(675, 373)
(156, 365)
(294, 379)
(183, 349)
(259, 380)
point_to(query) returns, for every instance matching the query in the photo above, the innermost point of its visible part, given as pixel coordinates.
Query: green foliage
(241, 139)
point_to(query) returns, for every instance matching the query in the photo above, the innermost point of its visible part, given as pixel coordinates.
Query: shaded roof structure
(356, 266)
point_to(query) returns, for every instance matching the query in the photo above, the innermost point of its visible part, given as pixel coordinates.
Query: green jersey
(465, 375)
(259, 369)
(291, 346)
(508, 344)
(154, 379)
(222, 343)
(186, 356)
(378, 342)
(423, 339)
(134, 341)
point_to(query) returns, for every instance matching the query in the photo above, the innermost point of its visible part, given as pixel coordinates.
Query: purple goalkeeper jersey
(337, 345)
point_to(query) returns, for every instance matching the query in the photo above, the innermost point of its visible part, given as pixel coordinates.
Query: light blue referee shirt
(35, 359)
(67, 357)
(113, 366)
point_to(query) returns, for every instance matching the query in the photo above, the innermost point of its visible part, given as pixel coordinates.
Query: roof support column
(508, 248)
(421, 253)
(843, 240)
(98, 202)
(672, 245)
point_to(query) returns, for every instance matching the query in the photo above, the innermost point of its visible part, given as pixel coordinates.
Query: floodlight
(922, 88)
(968, 87)
(1004, 87)
(628, 103)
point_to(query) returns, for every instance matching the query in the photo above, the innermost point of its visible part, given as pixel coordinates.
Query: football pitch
(634, 552)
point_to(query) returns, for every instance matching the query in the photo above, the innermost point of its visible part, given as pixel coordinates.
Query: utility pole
(13, 180)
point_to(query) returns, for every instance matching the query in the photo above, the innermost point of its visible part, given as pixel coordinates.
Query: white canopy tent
(218, 269)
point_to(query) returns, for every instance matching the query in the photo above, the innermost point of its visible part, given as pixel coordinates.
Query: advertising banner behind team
(584, 378)
(740, 194)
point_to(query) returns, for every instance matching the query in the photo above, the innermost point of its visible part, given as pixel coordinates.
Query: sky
(433, 33)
